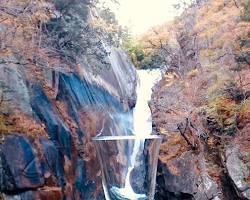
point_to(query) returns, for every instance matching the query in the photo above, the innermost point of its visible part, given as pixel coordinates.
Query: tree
(185, 4)
(70, 34)
(20, 23)
(78, 32)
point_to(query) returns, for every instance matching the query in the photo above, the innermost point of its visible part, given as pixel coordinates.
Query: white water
(142, 127)
(142, 112)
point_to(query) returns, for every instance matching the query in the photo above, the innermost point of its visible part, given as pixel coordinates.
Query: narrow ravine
(142, 123)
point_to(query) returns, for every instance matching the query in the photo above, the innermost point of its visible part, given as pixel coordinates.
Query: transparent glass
(128, 165)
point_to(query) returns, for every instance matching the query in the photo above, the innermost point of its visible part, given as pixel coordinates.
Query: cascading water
(142, 127)
(142, 112)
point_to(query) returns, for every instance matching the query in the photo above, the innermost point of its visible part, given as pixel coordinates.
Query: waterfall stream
(142, 123)
(142, 112)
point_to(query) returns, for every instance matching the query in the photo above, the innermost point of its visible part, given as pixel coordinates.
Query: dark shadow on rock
(162, 192)
(52, 161)
(7, 182)
(57, 130)
(83, 188)
(22, 162)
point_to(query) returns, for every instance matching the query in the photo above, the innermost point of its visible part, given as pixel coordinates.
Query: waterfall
(142, 112)
(142, 122)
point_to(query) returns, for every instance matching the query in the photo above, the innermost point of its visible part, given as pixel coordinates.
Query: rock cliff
(201, 105)
(52, 102)
(60, 160)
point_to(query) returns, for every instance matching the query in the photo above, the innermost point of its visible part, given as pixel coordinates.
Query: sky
(141, 15)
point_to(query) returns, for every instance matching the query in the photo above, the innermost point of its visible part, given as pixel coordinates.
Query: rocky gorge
(62, 82)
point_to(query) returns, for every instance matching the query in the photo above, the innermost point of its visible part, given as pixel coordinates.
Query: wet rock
(83, 188)
(82, 94)
(22, 162)
(137, 182)
(54, 168)
(11, 197)
(29, 195)
(238, 171)
(57, 130)
(119, 80)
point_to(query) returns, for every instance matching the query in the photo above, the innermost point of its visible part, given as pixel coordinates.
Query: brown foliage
(22, 38)
(22, 124)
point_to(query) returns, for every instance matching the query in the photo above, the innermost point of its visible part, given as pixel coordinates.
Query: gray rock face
(185, 178)
(52, 163)
(238, 171)
(178, 183)
(13, 89)
(119, 80)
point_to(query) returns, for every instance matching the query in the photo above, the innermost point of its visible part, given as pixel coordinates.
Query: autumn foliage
(207, 51)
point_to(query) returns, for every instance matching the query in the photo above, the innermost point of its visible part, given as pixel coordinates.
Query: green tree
(72, 36)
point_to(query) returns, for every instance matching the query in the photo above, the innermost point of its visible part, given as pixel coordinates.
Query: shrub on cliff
(154, 49)
(135, 51)
(20, 30)
(79, 32)
(71, 34)
(246, 10)
(141, 58)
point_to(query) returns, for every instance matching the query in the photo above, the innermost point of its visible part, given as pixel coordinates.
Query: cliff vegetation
(202, 102)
